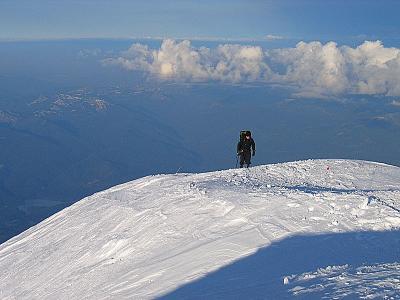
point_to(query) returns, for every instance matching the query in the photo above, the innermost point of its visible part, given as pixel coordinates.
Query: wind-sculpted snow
(376, 281)
(317, 228)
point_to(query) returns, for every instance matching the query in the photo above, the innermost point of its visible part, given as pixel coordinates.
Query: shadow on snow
(261, 275)
(320, 189)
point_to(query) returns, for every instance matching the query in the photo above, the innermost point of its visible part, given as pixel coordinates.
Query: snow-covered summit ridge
(151, 236)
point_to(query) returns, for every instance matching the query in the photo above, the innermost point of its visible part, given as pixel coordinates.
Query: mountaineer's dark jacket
(246, 146)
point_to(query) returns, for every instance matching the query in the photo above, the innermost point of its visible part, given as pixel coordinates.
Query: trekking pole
(237, 160)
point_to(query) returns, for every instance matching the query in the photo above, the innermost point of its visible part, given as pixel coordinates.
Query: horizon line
(267, 38)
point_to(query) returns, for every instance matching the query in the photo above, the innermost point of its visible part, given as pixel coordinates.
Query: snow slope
(311, 229)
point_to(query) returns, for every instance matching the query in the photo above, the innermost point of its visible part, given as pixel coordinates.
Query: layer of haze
(71, 126)
(238, 19)
(311, 79)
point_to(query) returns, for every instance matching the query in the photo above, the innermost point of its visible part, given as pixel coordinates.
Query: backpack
(243, 134)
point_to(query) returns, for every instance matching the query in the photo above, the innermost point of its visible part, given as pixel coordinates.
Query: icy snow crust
(311, 229)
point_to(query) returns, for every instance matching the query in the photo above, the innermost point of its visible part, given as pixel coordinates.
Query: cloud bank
(311, 69)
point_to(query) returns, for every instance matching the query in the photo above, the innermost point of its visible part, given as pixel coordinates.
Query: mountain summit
(312, 229)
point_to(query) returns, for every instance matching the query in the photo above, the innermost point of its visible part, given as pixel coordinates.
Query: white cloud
(179, 60)
(374, 68)
(313, 69)
(238, 63)
(396, 103)
(272, 37)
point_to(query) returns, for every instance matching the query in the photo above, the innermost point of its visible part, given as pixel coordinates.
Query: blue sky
(295, 19)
